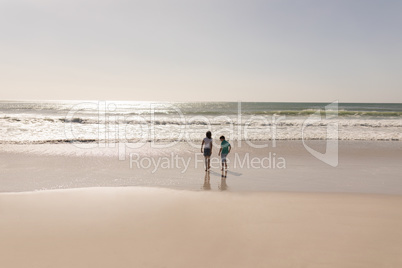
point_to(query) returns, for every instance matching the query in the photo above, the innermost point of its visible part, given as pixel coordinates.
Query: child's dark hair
(208, 134)
(222, 138)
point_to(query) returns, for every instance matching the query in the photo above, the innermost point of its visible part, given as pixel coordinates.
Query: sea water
(27, 122)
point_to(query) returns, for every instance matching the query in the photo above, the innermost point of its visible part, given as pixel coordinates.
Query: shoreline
(178, 190)
(364, 167)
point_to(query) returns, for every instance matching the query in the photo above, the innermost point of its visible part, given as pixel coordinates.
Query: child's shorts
(223, 157)
(207, 152)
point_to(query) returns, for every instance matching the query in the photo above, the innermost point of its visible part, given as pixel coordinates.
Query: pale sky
(346, 50)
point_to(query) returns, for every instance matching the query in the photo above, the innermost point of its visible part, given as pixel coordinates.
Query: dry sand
(150, 227)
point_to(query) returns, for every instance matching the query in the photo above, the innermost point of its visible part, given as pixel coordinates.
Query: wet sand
(364, 167)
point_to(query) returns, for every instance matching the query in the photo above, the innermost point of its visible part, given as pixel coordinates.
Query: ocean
(40, 122)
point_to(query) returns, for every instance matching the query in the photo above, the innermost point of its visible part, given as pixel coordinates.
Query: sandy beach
(148, 227)
(364, 167)
(58, 208)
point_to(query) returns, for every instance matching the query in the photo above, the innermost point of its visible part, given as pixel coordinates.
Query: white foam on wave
(37, 127)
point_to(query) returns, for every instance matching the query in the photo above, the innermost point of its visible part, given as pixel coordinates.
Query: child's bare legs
(224, 164)
(207, 163)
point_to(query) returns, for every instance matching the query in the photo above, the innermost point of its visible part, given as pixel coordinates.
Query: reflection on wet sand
(207, 182)
(223, 186)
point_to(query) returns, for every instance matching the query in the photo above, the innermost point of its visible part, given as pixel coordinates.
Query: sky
(209, 50)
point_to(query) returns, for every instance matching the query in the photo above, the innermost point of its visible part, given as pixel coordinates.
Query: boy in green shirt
(223, 152)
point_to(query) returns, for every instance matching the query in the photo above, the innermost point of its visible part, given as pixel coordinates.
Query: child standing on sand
(207, 144)
(223, 152)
